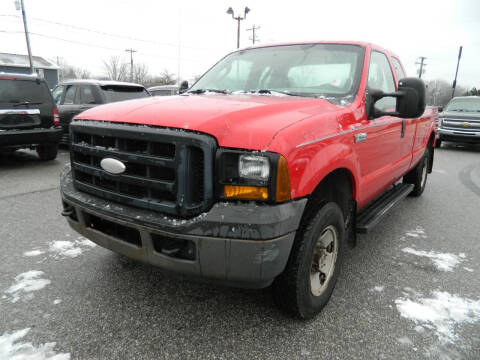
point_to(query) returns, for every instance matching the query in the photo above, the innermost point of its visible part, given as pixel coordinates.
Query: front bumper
(458, 135)
(30, 137)
(238, 244)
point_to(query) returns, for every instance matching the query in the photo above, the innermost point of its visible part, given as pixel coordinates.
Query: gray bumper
(458, 135)
(240, 244)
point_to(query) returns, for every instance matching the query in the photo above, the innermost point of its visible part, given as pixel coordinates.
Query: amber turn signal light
(283, 181)
(245, 192)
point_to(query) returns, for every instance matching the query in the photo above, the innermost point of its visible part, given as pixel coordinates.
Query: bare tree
(439, 92)
(69, 72)
(115, 69)
(141, 74)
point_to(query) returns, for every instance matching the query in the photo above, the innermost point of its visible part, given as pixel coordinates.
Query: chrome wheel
(323, 262)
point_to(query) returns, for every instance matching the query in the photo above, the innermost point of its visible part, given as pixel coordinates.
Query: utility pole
(456, 72)
(422, 64)
(131, 51)
(238, 18)
(254, 35)
(20, 6)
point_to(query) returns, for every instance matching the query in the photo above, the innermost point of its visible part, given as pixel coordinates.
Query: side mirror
(183, 87)
(410, 100)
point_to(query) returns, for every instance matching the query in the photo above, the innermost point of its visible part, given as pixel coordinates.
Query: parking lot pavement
(409, 290)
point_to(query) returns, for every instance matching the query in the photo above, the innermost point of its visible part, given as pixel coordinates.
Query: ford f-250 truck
(261, 172)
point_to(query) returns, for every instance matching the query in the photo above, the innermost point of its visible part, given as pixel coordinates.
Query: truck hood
(237, 121)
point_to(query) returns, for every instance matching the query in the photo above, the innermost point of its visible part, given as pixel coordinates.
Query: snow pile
(443, 261)
(26, 351)
(64, 248)
(26, 283)
(378, 288)
(441, 312)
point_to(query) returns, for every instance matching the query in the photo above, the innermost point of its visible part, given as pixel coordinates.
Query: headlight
(245, 175)
(254, 167)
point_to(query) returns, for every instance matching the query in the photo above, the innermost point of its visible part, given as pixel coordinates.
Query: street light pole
(238, 18)
(24, 16)
(131, 51)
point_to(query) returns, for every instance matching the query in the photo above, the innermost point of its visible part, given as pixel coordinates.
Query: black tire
(47, 152)
(418, 175)
(293, 288)
(438, 143)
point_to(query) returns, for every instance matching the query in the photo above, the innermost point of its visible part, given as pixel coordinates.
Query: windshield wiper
(27, 103)
(268, 91)
(202, 91)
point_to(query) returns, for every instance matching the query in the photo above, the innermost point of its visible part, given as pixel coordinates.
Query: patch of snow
(10, 349)
(468, 269)
(65, 248)
(33, 253)
(443, 261)
(26, 283)
(85, 242)
(442, 312)
(378, 288)
(419, 329)
(405, 341)
(419, 232)
(57, 301)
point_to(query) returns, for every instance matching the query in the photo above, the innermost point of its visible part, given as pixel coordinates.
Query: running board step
(372, 215)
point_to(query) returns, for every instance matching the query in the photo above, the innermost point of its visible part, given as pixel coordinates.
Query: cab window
(69, 95)
(398, 68)
(380, 77)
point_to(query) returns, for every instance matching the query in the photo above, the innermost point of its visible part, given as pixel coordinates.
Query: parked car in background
(28, 116)
(163, 90)
(460, 121)
(73, 97)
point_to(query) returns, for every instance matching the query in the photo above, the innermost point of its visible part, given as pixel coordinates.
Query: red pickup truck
(261, 172)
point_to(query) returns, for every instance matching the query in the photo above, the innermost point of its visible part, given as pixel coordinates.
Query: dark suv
(28, 116)
(73, 97)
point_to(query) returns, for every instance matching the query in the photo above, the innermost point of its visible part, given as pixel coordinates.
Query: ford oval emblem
(113, 166)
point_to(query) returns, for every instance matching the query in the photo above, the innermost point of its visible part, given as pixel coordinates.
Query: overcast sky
(434, 29)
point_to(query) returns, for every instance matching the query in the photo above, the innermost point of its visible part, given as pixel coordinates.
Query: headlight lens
(254, 167)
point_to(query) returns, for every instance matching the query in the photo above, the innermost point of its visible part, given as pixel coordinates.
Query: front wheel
(47, 152)
(438, 143)
(306, 285)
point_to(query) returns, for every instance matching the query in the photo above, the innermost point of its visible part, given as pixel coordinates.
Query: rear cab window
(114, 93)
(19, 91)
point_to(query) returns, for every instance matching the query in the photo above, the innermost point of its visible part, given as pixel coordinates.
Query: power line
(254, 36)
(98, 46)
(422, 64)
(131, 51)
(108, 33)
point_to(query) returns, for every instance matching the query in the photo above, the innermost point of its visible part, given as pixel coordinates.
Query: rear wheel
(306, 285)
(418, 175)
(47, 152)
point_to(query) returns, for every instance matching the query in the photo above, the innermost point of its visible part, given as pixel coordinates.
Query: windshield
(21, 91)
(114, 93)
(330, 70)
(466, 105)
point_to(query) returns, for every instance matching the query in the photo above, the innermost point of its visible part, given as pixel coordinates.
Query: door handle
(402, 135)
